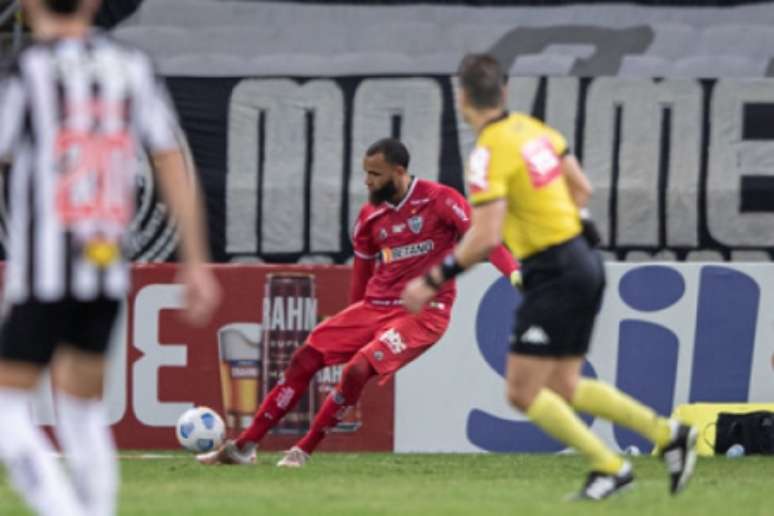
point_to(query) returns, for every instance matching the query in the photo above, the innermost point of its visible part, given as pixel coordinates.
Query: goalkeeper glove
(589, 229)
(516, 279)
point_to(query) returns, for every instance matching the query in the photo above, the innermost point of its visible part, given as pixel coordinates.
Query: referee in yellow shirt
(529, 191)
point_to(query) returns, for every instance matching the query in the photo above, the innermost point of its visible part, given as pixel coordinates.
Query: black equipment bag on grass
(754, 431)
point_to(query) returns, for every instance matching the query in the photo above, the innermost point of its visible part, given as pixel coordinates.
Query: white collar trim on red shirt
(374, 214)
(406, 197)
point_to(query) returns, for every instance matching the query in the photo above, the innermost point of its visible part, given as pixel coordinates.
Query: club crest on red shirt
(415, 224)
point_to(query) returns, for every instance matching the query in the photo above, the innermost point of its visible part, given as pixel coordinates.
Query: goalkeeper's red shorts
(389, 337)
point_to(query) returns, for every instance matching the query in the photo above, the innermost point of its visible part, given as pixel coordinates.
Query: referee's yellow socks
(551, 413)
(603, 400)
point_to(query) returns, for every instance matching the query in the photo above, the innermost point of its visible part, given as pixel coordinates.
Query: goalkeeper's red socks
(355, 376)
(306, 361)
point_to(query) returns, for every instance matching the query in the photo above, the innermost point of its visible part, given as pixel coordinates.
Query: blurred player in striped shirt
(75, 109)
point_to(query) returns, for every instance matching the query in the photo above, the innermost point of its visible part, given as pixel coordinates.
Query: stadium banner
(667, 334)
(682, 168)
(542, 3)
(160, 366)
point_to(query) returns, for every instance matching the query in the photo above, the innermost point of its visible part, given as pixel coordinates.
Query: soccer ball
(200, 429)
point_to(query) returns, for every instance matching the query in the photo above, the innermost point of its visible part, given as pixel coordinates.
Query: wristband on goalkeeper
(450, 268)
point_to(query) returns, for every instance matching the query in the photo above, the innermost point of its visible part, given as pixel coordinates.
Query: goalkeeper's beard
(386, 193)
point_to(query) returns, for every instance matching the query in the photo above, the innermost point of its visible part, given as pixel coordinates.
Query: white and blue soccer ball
(200, 429)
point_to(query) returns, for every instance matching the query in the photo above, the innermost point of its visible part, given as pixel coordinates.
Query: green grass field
(365, 484)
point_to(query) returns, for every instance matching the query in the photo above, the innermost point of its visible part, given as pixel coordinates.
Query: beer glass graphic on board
(239, 346)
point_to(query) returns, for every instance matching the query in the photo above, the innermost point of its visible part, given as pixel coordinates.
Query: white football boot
(229, 453)
(294, 458)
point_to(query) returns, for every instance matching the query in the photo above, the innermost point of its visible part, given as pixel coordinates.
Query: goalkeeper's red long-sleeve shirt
(396, 243)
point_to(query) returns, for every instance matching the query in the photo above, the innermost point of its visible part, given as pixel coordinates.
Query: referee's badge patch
(415, 224)
(478, 170)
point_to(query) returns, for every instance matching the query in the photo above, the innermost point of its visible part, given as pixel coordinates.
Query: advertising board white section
(667, 333)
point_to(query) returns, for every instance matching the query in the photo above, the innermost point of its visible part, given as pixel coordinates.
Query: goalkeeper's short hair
(62, 6)
(393, 150)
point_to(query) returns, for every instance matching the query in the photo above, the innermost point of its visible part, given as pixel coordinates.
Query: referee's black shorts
(563, 289)
(31, 331)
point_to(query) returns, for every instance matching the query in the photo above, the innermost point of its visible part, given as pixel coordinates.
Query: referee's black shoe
(599, 485)
(680, 457)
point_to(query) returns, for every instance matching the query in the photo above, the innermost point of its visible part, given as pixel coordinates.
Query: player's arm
(362, 270)
(179, 192)
(483, 237)
(365, 258)
(488, 177)
(502, 258)
(580, 190)
(458, 211)
(158, 127)
(476, 245)
(577, 182)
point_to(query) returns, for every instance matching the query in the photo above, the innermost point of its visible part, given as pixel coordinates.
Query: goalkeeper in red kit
(408, 225)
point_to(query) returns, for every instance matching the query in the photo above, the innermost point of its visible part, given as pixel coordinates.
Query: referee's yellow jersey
(518, 158)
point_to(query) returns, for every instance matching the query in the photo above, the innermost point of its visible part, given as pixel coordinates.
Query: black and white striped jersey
(74, 113)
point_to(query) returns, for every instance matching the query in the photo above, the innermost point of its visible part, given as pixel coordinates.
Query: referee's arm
(476, 245)
(580, 191)
(202, 292)
(484, 235)
(577, 182)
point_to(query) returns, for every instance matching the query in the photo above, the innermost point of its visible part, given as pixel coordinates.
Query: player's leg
(82, 426)
(675, 441)
(544, 334)
(83, 430)
(26, 346)
(332, 342)
(399, 340)
(527, 390)
(304, 363)
(356, 374)
(596, 397)
(600, 399)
